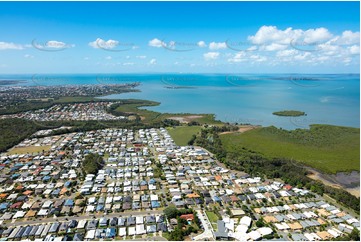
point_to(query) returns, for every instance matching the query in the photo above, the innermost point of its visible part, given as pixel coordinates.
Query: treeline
(317, 135)
(14, 130)
(256, 164)
(22, 106)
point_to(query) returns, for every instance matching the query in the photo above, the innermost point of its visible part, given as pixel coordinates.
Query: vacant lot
(29, 149)
(213, 218)
(327, 148)
(182, 134)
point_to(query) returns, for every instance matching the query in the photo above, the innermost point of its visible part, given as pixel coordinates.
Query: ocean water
(236, 98)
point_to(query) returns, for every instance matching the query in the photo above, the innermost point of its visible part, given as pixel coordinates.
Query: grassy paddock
(182, 134)
(28, 149)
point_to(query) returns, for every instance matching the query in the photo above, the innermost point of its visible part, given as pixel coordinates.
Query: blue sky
(188, 37)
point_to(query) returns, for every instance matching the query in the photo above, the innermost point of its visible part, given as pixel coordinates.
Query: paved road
(90, 216)
(154, 238)
(208, 229)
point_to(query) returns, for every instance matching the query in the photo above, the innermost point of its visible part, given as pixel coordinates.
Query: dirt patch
(242, 129)
(186, 119)
(349, 181)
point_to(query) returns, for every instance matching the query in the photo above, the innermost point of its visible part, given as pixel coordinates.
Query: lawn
(327, 148)
(182, 134)
(29, 149)
(213, 218)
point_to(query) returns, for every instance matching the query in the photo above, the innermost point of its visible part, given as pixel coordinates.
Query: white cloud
(141, 56)
(28, 56)
(316, 35)
(127, 57)
(217, 46)
(202, 44)
(286, 53)
(108, 58)
(100, 43)
(252, 48)
(86, 58)
(128, 64)
(239, 57)
(57, 44)
(302, 56)
(153, 61)
(322, 58)
(347, 38)
(258, 58)
(274, 47)
(354, 50)
(328, 49)
(156, 43)
(271, 34)
(311, 46)
(347, 61)
(10, 46)
(211, 56)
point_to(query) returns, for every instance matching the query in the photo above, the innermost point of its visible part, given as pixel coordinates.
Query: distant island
(289, 113)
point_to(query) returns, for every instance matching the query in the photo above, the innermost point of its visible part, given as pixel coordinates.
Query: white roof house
(90, 234)
(43, 212)
(139, 220)
(81, 224)
(245, 220)
(19, 214)
(47, 204)
(131, 230)
(140, 229)
(122, 231)
(254, 235)
(154, 197)
(265, 231)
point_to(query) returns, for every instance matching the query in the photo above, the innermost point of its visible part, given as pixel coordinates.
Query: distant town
(77, 111)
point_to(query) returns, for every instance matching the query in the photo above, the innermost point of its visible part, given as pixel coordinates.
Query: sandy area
(186, 119)
(242, 129)
(318, 176)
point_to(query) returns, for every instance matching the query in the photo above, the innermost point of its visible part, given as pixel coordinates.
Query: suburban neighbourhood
(76, 111)
(47, 193)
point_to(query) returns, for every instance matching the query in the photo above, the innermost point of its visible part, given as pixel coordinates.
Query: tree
(260, 223)
(92, 163)
(176, 235)
(355, 235)
(171, 212)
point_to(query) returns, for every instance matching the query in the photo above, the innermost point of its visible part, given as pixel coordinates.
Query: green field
(182, 134)
(324, 147)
